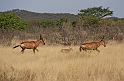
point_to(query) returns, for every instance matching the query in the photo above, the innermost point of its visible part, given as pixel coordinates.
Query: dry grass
(49, 64)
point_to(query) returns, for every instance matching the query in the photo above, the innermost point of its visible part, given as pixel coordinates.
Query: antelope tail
(16, 46)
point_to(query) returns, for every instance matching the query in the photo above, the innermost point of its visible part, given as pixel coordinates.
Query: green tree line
(89, 17)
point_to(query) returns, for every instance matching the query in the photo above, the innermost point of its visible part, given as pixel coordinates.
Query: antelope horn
(102, 37)
(41, 37)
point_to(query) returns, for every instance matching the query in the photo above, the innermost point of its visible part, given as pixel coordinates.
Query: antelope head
(41, 39)
(102, 42)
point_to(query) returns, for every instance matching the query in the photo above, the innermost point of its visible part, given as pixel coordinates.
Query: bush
(10, 21)
(90, 20)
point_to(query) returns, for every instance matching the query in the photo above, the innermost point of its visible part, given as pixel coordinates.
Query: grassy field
(49, 64)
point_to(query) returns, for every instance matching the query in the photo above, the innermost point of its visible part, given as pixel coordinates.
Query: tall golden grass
(49, 64)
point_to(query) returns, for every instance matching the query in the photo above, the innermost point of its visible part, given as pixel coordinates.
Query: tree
(10, 21)
(98, 12)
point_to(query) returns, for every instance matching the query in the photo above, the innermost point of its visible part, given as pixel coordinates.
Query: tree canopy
(98, 12)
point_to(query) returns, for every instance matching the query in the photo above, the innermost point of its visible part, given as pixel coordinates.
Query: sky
(62, 6)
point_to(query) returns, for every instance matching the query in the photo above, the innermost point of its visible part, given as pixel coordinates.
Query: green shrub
(11, 21)
(90, 20)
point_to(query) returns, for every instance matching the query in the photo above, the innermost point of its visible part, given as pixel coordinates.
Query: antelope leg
(22, 50)
(97, 50)
(37, 50)
(34, 50)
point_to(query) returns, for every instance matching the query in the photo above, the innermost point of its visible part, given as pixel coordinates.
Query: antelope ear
(103, 37)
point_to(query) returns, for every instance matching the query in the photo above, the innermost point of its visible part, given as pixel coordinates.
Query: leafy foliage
(53, 23)
(111, 22)
(92, 16)
(96, 12)
(90, 20)
(11, 21)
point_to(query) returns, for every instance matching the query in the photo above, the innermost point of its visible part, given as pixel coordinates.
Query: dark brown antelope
(92, 45)
(31, 44)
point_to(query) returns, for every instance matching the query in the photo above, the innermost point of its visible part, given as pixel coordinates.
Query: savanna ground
(49, 64)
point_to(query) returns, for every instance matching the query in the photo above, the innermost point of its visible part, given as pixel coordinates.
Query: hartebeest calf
(31, 44)
(92, 45)
(66, 50)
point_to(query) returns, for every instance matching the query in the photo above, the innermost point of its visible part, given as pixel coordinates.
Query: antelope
(30, 44)
(66, 50)
(92, 45)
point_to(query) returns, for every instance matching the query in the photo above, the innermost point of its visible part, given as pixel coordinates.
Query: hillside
(28, 15)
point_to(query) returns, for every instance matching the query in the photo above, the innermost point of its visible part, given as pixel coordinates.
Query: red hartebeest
(92, 45)
(31, 44)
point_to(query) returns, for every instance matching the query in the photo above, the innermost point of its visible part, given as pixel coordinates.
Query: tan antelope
(92, 45)
(31, 44)
(66, 50)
